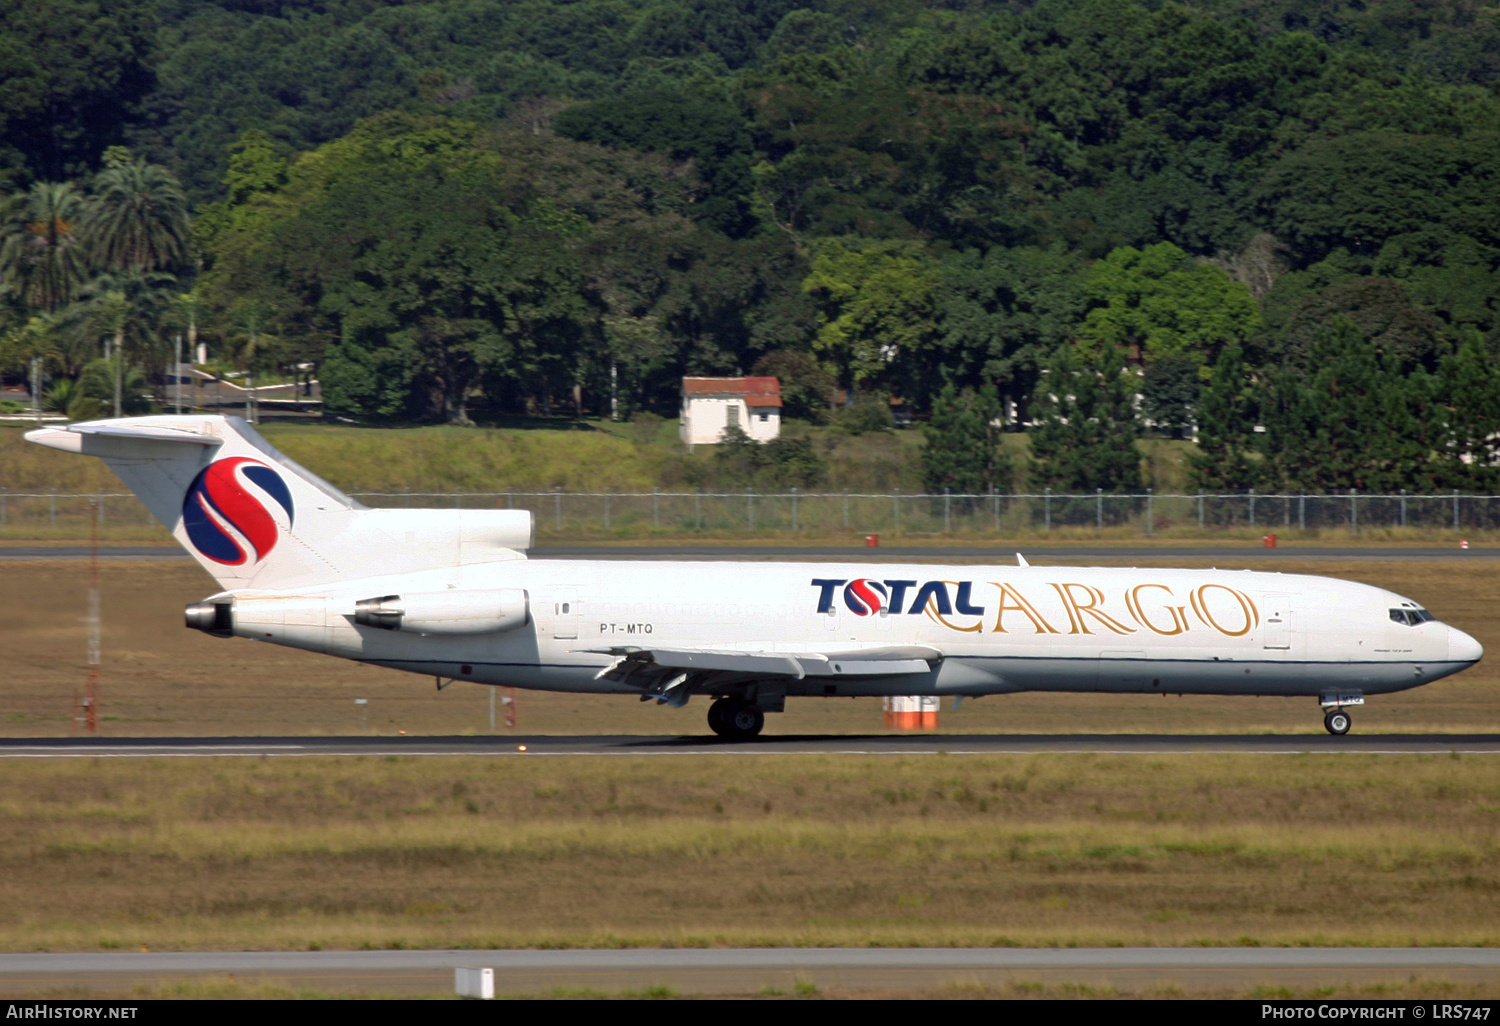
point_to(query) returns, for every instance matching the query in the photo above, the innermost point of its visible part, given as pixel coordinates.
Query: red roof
(755, 391)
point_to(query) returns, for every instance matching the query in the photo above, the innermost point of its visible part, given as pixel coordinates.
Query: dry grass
(1413, 989)
(1033, 850)
(160, 679)
(1051, 850)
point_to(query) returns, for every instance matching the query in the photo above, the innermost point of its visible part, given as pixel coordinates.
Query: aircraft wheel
(716, 721)
(744, 721)
(735, 720)
(1337, 721)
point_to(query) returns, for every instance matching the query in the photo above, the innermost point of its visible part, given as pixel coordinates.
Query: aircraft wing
(648, 667)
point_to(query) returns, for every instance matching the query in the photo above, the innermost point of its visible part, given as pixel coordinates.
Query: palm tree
(129, 308)
(42, 251)
(138, 217)
(114, 313)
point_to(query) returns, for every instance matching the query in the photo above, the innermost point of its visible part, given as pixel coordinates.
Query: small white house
(709, 405)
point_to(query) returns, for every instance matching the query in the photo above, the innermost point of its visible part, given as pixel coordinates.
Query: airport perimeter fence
(558, 512)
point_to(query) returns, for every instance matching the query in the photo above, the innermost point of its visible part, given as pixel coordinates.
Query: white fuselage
(998, 628)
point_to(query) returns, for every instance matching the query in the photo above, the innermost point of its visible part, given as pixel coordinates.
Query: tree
(1469, 418)
(1157, 302)
(1226, 428)
(105, 389)
(130, 309)
(1357, 190)
(424, 262)
(782, 462)
(1356, 421)
(1170, 387)
(876, 309)
(138, 219)
(25, 344)
(685, 125)
(806, 387)
(1002, 313)
(962, 453)
(42, 253)
(71, 74)
(1086, 426)
(1380, 308)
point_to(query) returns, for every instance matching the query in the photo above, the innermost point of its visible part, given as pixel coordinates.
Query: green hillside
(1081, 214)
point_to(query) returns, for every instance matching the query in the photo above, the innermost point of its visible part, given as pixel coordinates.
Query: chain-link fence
(559, 512)
(68, 512)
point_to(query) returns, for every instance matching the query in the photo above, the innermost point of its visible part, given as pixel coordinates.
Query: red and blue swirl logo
(864, 597)
(228, 514)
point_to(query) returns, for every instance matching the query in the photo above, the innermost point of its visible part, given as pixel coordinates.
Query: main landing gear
(1337, 721)
(735, 719)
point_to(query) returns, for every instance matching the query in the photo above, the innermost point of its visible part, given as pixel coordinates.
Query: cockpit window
(1411, 617)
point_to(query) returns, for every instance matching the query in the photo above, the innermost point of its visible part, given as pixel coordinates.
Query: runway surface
(539, 746)
(1041, 555)
(748, 970)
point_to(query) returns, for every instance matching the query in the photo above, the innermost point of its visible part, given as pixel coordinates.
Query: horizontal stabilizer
(70, 438)
(253, 518)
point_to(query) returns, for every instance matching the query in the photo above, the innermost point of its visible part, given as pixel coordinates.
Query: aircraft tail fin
(255, 519)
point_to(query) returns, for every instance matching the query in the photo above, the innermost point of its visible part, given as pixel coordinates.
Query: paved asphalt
(537, 746)
(1038, 554)
(749, 970)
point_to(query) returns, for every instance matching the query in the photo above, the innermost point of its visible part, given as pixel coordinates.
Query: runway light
(520, 748)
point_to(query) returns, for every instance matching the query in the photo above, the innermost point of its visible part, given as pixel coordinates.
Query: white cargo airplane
(450, 593)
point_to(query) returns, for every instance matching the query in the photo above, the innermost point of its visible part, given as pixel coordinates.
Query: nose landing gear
(1337, 722)
(1336, 718)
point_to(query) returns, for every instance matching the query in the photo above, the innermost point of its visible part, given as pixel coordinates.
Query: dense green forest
(1276, 222)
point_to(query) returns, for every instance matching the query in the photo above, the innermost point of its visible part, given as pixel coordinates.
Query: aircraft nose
(1462, 648)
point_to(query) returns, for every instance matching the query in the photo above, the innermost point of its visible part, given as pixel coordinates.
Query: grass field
(805, 850)
(583, 457)
(1412, 989)
(114, 854)
(1027, 850)
(41, 491)
(576, 457)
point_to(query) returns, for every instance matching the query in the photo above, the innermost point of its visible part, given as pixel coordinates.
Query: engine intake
(446, 612)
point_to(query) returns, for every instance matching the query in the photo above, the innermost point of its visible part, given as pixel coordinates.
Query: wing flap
(770, 663)
(876, 662)
(869, 667)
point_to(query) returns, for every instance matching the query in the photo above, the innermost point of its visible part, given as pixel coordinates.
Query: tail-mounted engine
(446, 612)
(430, 612)
(216, 618)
